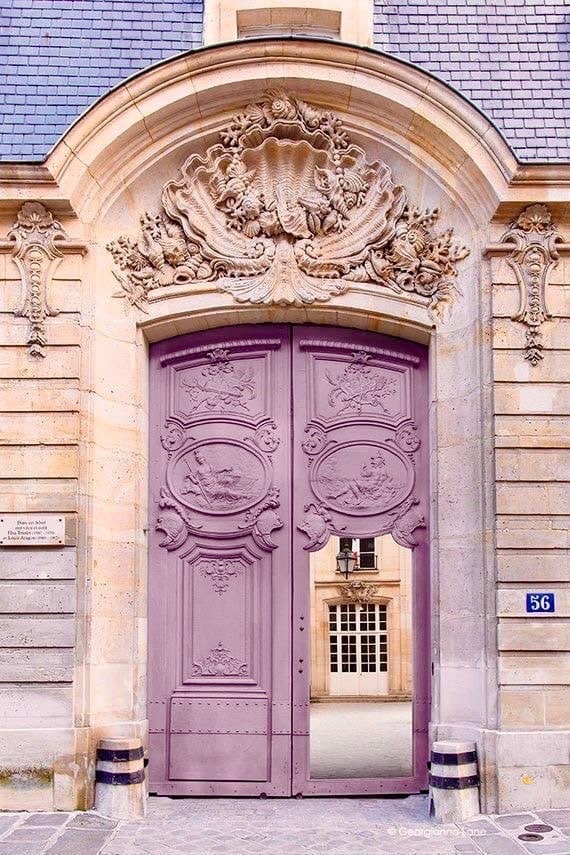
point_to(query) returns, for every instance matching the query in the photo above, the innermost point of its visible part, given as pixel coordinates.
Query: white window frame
(358, 682)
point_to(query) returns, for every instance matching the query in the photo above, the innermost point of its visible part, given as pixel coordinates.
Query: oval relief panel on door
(360, 478)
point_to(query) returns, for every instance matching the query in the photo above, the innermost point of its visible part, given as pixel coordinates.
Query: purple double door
(265, 441)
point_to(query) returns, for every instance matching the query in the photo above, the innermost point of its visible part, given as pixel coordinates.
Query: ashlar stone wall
(39, 471)
(532, 466)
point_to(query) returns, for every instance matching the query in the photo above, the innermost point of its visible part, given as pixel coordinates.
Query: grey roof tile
(520, 48)
(511, 58)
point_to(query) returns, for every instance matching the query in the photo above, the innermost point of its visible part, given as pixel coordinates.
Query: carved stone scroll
(38, 243)
(534, 254)
(287, 209)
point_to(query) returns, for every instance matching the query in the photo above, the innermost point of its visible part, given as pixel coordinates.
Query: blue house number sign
(540, 603)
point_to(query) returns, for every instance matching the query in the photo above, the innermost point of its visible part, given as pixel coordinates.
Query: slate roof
(510, 57)
(62, 55)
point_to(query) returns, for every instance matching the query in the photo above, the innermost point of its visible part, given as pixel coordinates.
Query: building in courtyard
(284, 396)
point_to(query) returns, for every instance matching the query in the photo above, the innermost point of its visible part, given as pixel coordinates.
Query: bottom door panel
(218, 740)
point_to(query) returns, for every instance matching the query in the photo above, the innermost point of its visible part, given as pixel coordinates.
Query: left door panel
(219, 564)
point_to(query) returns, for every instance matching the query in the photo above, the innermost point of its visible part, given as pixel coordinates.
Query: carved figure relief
(358, 591)
(213, 483)
(38, 243)
(535, 253)
(360, 477)
(264, 520)
(219, 477)
(219, 663)
(359, 386)
(220, 385)
(220, 571)
(287, 209)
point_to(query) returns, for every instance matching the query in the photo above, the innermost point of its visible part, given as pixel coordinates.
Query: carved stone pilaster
(534, 255)
(37, 243)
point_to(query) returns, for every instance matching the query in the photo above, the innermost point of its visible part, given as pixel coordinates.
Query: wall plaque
(32, 530)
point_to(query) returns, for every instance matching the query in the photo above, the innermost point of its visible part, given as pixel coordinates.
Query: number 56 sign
(540, 603)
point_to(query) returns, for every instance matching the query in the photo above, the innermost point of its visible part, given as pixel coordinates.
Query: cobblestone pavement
(281, 827)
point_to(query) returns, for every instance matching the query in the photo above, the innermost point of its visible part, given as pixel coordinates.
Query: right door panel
(360, 470)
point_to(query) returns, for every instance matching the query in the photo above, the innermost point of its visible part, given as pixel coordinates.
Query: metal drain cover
(529, 836)
(538, 827)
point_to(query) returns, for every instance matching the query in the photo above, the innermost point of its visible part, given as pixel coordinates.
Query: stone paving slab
(351, 826)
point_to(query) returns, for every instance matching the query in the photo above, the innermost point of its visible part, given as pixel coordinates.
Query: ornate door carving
(265, 441)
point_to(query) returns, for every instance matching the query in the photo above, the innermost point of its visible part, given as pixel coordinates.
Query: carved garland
(38, 243)
(286, 209)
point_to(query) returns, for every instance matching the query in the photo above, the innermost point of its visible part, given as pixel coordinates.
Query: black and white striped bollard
(454, 781)
(120, 791)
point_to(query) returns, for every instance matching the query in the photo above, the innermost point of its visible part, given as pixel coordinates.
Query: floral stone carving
(38, 243)
(358, 591)
(220, 571)
(534, 236)
(287, 209)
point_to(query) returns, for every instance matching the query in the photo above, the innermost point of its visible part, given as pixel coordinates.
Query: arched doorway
(265, 441)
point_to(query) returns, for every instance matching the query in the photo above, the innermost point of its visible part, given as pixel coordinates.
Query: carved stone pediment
(286, 209)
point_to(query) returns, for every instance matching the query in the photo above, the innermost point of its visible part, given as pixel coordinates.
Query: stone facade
(74, 414)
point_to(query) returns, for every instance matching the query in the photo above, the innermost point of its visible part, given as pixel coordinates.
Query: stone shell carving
(174, 521)
(535, 253)
(37, 242)
(287, 209)
(317, 525)
(406, 519)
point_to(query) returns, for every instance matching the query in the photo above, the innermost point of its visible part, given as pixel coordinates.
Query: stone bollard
(453, 781)
(120, 791)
